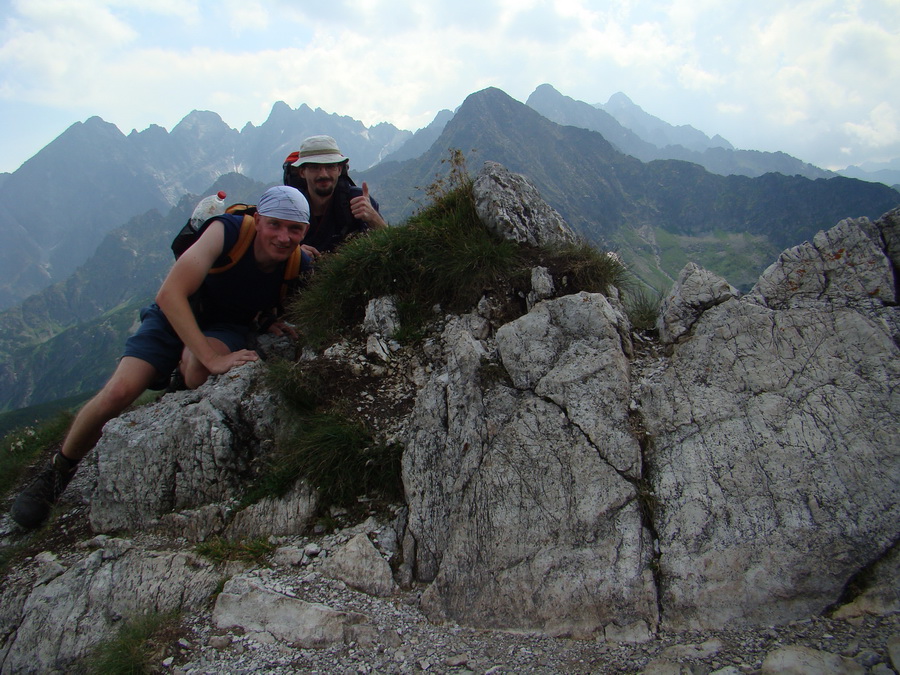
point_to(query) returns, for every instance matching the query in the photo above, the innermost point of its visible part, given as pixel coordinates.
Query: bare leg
(194, 372)
(131, 378)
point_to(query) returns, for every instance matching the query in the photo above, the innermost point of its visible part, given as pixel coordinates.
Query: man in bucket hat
(200, 323)
(338, 208)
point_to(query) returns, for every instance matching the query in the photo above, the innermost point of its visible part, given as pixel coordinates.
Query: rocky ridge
(579, 498)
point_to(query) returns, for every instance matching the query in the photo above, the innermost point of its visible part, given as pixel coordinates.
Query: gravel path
(402, 640)
(399, 639)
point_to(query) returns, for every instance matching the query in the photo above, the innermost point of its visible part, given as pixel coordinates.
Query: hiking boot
(32, 507)
(176, 382)
(161, 383)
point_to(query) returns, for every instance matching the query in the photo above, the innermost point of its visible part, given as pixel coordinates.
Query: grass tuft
(442, 255)
(585, 268)
(336, 455)
(220, 550)
(642, 306)
(342, 460)
(138, 646)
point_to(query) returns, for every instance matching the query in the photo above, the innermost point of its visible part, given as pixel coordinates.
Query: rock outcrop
(175, 458)
(562, 474)
(71, 607)
(510, 206)
(524, 499)
(775, 463)
(247, 603)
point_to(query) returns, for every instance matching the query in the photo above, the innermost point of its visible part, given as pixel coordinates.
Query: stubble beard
(324, 191)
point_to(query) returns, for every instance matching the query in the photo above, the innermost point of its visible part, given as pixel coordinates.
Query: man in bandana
(199, 324)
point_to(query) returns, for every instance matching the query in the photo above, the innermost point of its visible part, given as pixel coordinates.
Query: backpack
(189, 234)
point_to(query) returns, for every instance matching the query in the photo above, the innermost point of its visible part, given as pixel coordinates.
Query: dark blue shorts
(157, 343)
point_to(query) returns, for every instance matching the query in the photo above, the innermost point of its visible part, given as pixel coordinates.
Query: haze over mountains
(646, 137)
(94, 186)
(100, 177)
(93, 178)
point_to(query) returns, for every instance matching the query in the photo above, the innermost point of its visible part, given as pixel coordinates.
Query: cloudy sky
(817, 79)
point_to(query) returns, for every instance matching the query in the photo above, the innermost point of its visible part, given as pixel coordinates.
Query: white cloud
(727, 108)
(880, 130)
(807, 76)
(244, 15)
(694, 78)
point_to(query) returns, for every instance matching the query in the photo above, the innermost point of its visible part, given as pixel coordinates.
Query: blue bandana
(285, 203)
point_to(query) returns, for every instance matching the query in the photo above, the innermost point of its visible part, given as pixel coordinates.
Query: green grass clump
(302, 385)
(21, 447)
(443, 255)
(585, 268)
(137, 648)
(322, 442)
(342, 460)
(220, 550)
(336, 455)
(642, 307)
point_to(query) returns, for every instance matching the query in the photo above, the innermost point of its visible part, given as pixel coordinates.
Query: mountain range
(91, 240)
(636, 133)
(93, 178)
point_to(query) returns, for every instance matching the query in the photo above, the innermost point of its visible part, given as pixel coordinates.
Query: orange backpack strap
(242, 209)
(291, 271)
(245, 237)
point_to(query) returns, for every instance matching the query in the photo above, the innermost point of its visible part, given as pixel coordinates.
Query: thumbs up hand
(362, 209)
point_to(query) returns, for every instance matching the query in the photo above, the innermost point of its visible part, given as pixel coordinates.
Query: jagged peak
(200, 122)
(151, 131)
(280, 111)
(94, 120)
(545, 88)
(93, 124)
(619, 98)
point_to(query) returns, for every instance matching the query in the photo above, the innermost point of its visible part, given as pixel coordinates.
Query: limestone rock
(771, 473)
(542, 286)
(189, 449)
(377, 349)
(246, 603)
(510, 206)
(524, 517)
(289, 556)
(797, 660)
(570, 350)
(443, 440)
(881, 595)
(695, 291)
(774, 467)
(382, 317)
(194, 524)
(359, 565)
(846, 263)
(62, 619)
(637, 632)
(276, 516)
